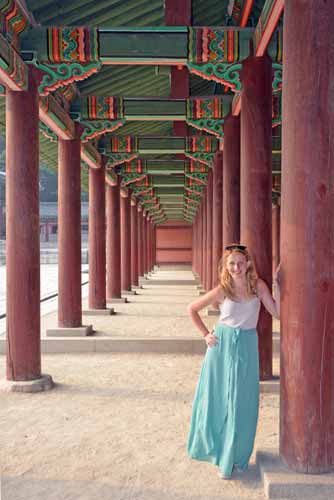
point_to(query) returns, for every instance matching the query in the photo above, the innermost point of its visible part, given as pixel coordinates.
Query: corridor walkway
(115, 426)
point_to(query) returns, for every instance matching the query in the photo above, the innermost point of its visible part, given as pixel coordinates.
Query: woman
(225, 407)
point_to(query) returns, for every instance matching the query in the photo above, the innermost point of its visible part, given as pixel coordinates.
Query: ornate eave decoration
(119, 158)
(111, 178)
(59, 75)
(130, 178)
(47, 132)
(200, 144)
(206, 158)
(95, 128)
(200, 178)
(223, 73)
(13, 21)
(216, 54)
(90, 155)
(214, 127)
(51, 110)
(193, 186)
(277, 77)
(206, 113)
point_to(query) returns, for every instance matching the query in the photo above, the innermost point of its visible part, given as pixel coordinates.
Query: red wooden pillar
(97, 238)
(69, 232)
(307, 256)
(140, 241)
(134, 242)
(276, 226)
(148, 243)
(145, 242)
(125, 242)
(231, 181)
(205, 241)
(217, 212)
(202, 242)
(256, 184)
(151, 245)
(22, 223)
(113, 241)
(154, 244)
(198, 242)
(193, 259)
(209, 195)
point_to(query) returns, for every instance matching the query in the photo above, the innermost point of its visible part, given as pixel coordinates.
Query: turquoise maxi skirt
(226, 402)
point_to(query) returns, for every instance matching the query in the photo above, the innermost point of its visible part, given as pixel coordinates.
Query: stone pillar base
(117, 300)
(99, 312)
(129, 292)
(136, 287)
(280, 481)
(44, 383)
(80, 331)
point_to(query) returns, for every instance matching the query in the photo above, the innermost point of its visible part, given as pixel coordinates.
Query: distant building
(49, 219)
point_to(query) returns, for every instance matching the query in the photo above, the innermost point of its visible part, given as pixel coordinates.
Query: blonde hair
(225, 279)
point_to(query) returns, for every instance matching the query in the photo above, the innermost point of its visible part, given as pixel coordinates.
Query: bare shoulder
(219, 294)
(213, 296)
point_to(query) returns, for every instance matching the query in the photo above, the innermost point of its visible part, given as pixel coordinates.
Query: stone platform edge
(66, 345)
(281, 482)
(158, 345)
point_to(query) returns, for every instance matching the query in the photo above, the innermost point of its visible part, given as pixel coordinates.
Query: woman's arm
(214, 296)
(270, 303)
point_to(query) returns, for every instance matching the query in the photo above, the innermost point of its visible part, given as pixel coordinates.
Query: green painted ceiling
(131, 81)
(129, 12)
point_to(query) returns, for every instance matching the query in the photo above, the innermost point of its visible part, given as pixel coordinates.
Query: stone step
(176, 345)
(170, 282)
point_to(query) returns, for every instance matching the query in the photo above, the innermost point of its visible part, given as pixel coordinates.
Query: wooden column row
(23, 254)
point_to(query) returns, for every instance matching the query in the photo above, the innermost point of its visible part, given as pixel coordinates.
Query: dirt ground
(115, 426)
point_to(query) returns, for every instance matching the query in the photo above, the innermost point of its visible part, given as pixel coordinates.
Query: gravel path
(115, 426)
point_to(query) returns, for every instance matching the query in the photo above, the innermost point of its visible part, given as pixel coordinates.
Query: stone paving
(115, 426)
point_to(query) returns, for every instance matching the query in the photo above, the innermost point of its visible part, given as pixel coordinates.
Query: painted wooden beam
(56, 118)
(270, 15)
(148, 145)
(248, 4)
(13, 71)
(171, 45)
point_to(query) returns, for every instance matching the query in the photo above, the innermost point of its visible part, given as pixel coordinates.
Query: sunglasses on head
(235, 247)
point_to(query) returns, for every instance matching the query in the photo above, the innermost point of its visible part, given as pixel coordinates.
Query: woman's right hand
(210, 339)
(278, 274)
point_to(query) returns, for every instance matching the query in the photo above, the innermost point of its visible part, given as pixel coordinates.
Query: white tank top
(243, 314)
